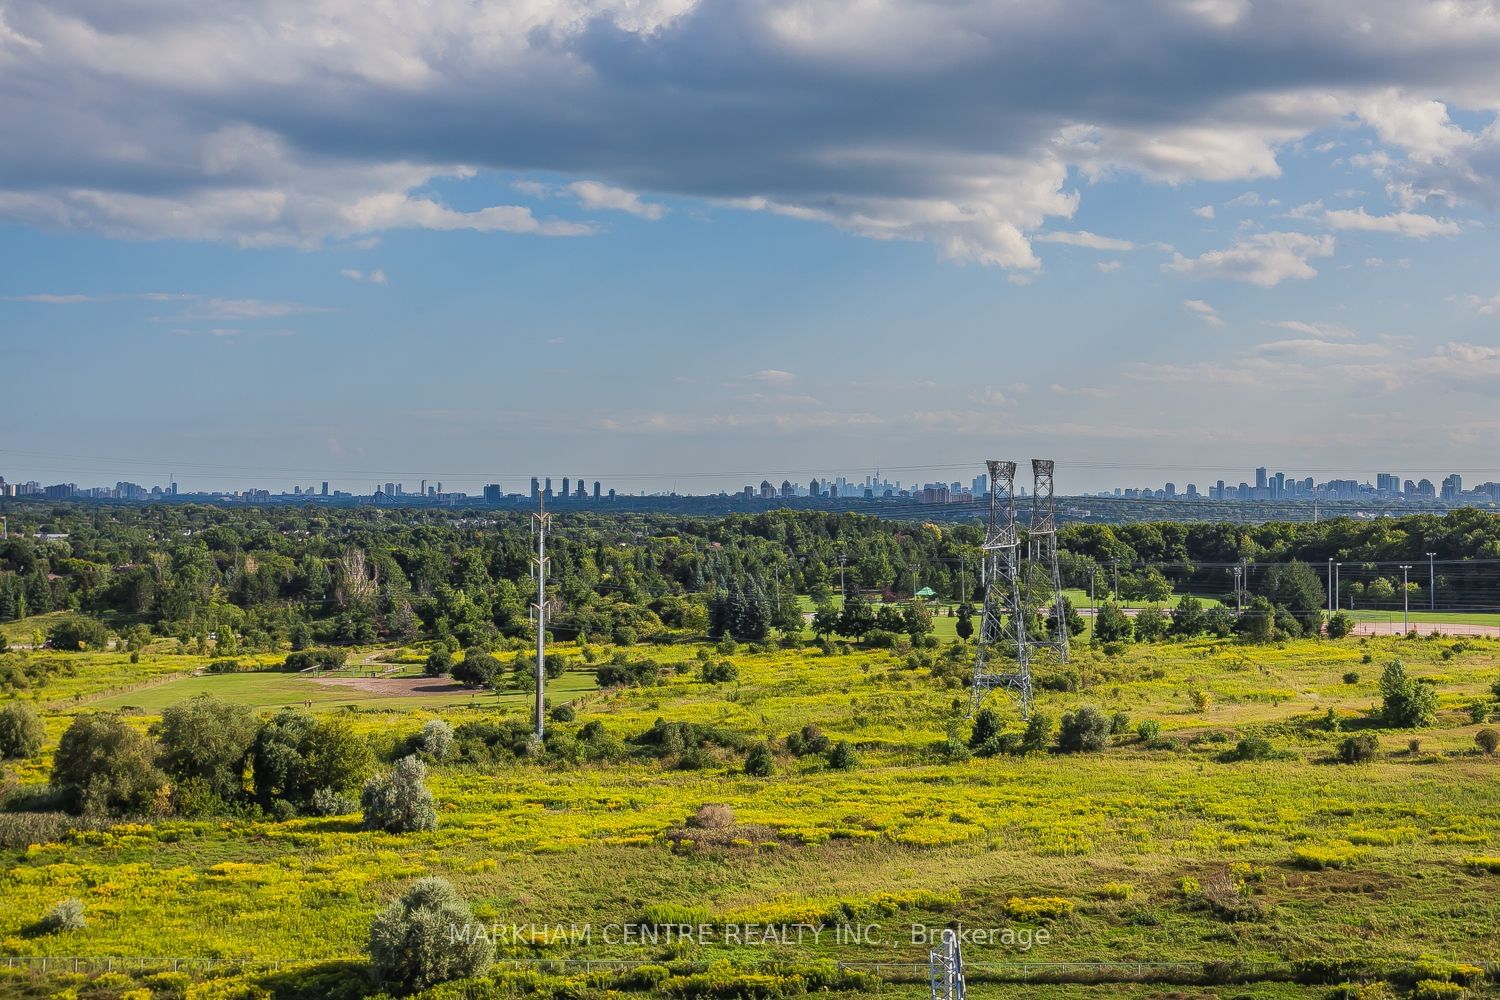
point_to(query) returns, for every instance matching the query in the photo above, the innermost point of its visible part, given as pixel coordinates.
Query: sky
(688, 245)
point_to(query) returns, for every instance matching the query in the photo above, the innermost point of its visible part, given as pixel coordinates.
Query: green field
(1123, 838)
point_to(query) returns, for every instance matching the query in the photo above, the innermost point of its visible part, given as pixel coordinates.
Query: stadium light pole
(1405, 601)
(1336, 584)
(1330, 586)
(1431, 582)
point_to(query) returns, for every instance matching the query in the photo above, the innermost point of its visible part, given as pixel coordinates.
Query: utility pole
(1336, 583)
(1431, 582)
(963, 579)
(539, 522)
(1239, 593)
(1330, 586)
(843, 592)
(1405, 601)
(1114, 565)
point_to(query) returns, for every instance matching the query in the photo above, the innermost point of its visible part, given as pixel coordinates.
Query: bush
(1338, 854)
(1084, 730)
(436, 739)
(1359, 749)
(1253, 748)
(210, 740)
(1352, 677)
(399, 802)
(78, 632)
(1038, 732)
(65, 916)
(104, 766)
(1487, 740)
(563, 713)
(759, 762)
(808, 740)
(314, 659)
(986, 728)
(1437, 989)
(327, 802)
(1119, 723)
(1148, 731)
(716, 673)
(1479, 712)
(1340, 624)
(1408, 703)
(439, 662)
(420, 940)
(1037, 908)
(842, 757)
(21, 731)
(478, 668)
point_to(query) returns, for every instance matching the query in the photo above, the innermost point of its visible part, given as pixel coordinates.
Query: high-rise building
(565, 486)
(596, 489)
(492, 493)
(1453, 486)
(536, 489)
(325, 488)
(1260, 478)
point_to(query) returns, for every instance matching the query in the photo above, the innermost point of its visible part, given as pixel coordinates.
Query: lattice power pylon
(946, 968)
(1002, 624)
(1041, 551)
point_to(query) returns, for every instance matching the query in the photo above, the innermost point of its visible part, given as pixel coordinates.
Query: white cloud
(1321, 331)
(1399, 223)
(1485, 307)
(1264, 259)
(1203, 310)
(375, 277)
(592, 194)
(1204, 211)
(1249, 199)
(1084, 238)
(1108, 266)
(774, 376)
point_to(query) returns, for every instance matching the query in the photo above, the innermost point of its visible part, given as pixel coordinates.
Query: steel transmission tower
(946, 969)
(1042, 548)
(540, 521)
(1003, 620)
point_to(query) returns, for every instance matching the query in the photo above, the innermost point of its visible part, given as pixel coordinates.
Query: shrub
(1148, 730)
(327, 802)
(1487, 740)
(842, 757)
(1479, 712)
(1340, 624)
(712, 816)
(21, 731)
(103, 765)
(1359, 749)
(439, 662)
(563, 713)
(65, 916)
(478, 668)
(716, 673)
(1038, 732)
(314, 659)
(1436, 989)
(1487, 864)
(399, 802)
(208, 739)
(1119, 723)
(436, 739)
(809, 739)
(1253, 748)
(1351, 677)
(758, 762)
(1408, 703)
(1084, 730)
(1117, 890)
(1202, 701)
(413, 944)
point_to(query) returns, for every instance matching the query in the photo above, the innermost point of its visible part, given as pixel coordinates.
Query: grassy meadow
(1116, 854)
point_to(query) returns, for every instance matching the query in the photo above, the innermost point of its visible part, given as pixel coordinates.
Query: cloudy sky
(692, 243)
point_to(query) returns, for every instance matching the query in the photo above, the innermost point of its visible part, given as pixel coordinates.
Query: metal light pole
(1330, 586)
(1431, 582)
(1336, 583)
(1405, 601)
(539, 522)
(1239, 593)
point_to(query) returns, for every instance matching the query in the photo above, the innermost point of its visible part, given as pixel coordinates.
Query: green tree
(1112, 624)
(21, 731)
(78, 632)
(296, 755)
(399, 802)
(1188, 618)
(1295, 585)
(1340, 624)
(965, 624)
(1151, 624)
(1083, 730)
(209, 740)
(1258, 622)
(104, 766)
(478, 668)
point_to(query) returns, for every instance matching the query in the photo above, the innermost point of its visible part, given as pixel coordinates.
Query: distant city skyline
(1262, 485)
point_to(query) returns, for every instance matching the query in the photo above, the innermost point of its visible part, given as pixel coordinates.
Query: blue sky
(690, 245)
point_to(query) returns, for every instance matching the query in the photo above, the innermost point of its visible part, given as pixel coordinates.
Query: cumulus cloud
(375, 277)
(1204, 211)
(1411, 224)
(1263, 259)
(774, 376)
(1204, 311)
(964, 124)
(1084, 238)
(592, 194)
